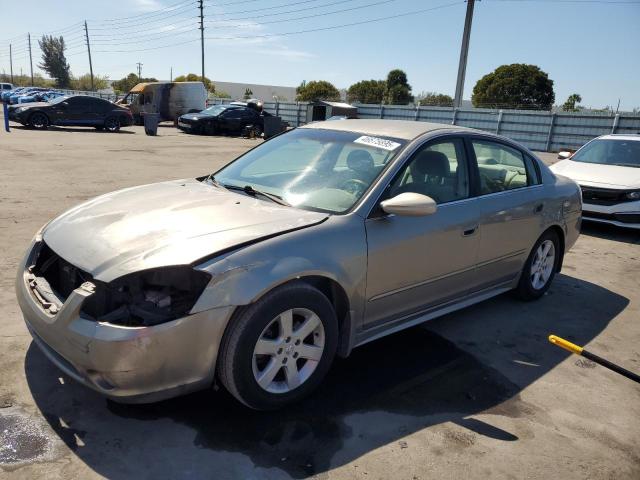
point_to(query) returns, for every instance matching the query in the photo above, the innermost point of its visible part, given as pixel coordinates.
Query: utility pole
(139, 70)
(30, 57)
(171, 75)
(201, 7)
(464, 51)
(86, 33)
(11, 62)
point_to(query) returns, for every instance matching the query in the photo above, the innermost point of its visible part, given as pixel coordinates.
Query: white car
(608, 172)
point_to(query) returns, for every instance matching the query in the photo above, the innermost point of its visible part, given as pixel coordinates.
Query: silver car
(313, 243)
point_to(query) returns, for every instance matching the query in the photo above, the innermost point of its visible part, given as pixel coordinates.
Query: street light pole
(464, 51)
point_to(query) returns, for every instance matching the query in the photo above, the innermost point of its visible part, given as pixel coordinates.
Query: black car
(222, 119)
(76, 111)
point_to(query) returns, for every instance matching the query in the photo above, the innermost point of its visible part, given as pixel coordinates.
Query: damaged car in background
(311, 244)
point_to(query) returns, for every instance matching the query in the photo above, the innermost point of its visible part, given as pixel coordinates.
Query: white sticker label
(377, 142)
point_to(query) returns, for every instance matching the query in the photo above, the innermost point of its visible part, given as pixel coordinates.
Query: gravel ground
(476, 394)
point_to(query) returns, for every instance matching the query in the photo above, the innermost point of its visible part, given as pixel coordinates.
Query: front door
(418, 262)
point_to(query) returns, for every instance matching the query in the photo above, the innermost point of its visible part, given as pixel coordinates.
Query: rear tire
(540, 268)
(39, 121)
(112, 124)
(266, 364)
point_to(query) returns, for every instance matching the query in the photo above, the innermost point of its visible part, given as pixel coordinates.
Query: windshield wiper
(249, 190)
(215, 182)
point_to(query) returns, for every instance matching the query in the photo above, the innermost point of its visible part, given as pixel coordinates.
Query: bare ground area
(476, 394)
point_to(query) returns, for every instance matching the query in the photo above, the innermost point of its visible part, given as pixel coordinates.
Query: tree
(192, 77)
(83, 82)
(248, 94)
(514, 86)
(127, 83)
(367, 91)
(317, 90)
(398, 91)
(53, 60)
(570, 104)
(433, 99)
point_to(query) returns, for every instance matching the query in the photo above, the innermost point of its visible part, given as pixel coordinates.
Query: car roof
(621, 136)
(404, 129)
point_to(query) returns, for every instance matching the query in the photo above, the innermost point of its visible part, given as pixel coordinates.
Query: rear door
(232, 120)
(511, 203)
(415, 263)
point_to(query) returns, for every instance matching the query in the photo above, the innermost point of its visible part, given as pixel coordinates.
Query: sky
(589, 47)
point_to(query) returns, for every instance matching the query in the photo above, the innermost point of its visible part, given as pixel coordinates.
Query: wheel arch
(31, 114)
(332, 290)
(557, 229)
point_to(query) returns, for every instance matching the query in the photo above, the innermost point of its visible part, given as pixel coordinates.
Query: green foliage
(433, 99)
(514, 86)
(220, 94)
(248, 93)
(367, 91)
(127, 83)
(25, 80)
(317, 90)
(570, 104)
(83, 82)
(192, 77)
(398, 91)
(53, 60)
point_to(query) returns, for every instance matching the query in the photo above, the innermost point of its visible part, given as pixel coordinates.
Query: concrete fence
(538, 130)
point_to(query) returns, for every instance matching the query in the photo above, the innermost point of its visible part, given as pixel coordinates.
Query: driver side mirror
(410, 204)
(564, 155)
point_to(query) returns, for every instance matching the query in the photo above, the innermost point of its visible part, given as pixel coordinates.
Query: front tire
(540, 268)
(278, 350)
(39, 121)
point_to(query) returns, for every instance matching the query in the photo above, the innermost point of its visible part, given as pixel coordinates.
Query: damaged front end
(139, 299)
(132, 339)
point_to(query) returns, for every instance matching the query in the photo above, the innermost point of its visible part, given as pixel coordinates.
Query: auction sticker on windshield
(377, 142)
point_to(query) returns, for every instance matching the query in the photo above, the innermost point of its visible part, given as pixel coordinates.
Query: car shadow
(610, 232)
(474, 361)
(55, 128)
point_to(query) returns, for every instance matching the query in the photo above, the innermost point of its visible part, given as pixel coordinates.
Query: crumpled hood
(169, 223)
(597, 175)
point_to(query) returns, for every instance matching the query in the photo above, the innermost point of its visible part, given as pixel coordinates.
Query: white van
(5, 87)
(169, 99)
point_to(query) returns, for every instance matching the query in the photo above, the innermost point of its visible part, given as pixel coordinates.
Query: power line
(129, 27)
(367, 5)
(147, 14)
(297, 32)
(282, 5)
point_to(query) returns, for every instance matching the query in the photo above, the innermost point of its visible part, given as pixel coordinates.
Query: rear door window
(502, 167)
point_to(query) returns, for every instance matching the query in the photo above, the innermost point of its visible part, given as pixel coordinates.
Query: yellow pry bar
(561, 342)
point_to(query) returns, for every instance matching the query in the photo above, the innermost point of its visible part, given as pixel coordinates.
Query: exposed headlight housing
(633, 195)
(147, 298)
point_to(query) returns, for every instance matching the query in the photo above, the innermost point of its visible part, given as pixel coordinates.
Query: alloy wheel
(288, 350)
(543, 264)
(38, 120)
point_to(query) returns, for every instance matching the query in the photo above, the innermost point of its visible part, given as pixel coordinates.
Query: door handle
(538, 208)
(469, 231)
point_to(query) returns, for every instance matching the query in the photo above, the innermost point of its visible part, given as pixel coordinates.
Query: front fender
(335, 249)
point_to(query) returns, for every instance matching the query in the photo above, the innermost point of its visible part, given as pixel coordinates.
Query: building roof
(404, 129)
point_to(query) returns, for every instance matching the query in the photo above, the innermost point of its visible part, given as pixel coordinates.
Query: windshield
(214, 110)
(58, 100)
(610, 152)
(313, 169)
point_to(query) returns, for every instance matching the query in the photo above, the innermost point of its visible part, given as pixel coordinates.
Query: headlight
(147, 298)
(20, 109)
(633, 195)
